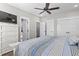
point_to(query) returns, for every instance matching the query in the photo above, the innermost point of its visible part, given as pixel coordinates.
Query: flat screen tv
(8, 18)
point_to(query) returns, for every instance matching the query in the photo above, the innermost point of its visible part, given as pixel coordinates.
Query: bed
(47, 46)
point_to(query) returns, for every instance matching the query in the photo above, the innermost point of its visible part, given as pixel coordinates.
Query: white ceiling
(29, 7)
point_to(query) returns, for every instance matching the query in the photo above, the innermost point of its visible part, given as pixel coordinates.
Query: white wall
(68, 25)
(68, 22)
(60, 29)
(10, 9)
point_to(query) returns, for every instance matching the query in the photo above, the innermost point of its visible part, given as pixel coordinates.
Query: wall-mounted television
(8, 18)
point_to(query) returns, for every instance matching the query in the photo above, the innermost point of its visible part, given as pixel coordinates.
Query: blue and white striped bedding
(35, 49)
(22, 48)
(44, 46)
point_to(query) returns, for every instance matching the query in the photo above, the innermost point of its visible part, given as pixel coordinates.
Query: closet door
(50, 27)
(42, 29)
(9, 36)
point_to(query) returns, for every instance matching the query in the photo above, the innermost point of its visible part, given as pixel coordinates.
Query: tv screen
(8, 18)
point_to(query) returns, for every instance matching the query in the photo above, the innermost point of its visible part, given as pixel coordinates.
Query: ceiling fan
(47, 9)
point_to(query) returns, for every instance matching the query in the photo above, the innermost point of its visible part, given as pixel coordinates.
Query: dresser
(8, 35)
(0, 40)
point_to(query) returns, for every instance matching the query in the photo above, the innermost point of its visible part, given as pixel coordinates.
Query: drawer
(9, 28)
(4, 45)
(0, 40)
(6, 48)
(0, 46)
(10, 33)
(0, 29)
(9, 40)
(0, 34)
(0, 43)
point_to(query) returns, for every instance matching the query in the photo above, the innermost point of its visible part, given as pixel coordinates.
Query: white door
(50, 27)
(42, 29)
(24, 32)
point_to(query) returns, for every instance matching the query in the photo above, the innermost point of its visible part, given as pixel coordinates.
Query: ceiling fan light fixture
(41, 15)
(47, 9)
(75, 5)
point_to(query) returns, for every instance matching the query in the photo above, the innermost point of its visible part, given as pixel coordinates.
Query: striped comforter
(44, 46)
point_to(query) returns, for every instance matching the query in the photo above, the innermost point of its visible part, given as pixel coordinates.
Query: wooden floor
(8, 54)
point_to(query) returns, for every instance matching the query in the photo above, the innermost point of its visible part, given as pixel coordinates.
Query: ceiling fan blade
(39, 8)
(49, 12)
(42, 12)
(47, 5)
(53, 8)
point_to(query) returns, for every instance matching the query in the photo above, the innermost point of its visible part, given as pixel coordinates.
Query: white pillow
(72, 40)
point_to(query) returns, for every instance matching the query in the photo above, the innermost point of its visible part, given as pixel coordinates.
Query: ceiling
(29, 7)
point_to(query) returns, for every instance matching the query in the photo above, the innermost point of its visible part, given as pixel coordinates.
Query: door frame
(37, 29)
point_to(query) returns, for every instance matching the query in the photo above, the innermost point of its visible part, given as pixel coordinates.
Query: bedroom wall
(10, 9)
(68, 22)
(68, 25)
(73, 15)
